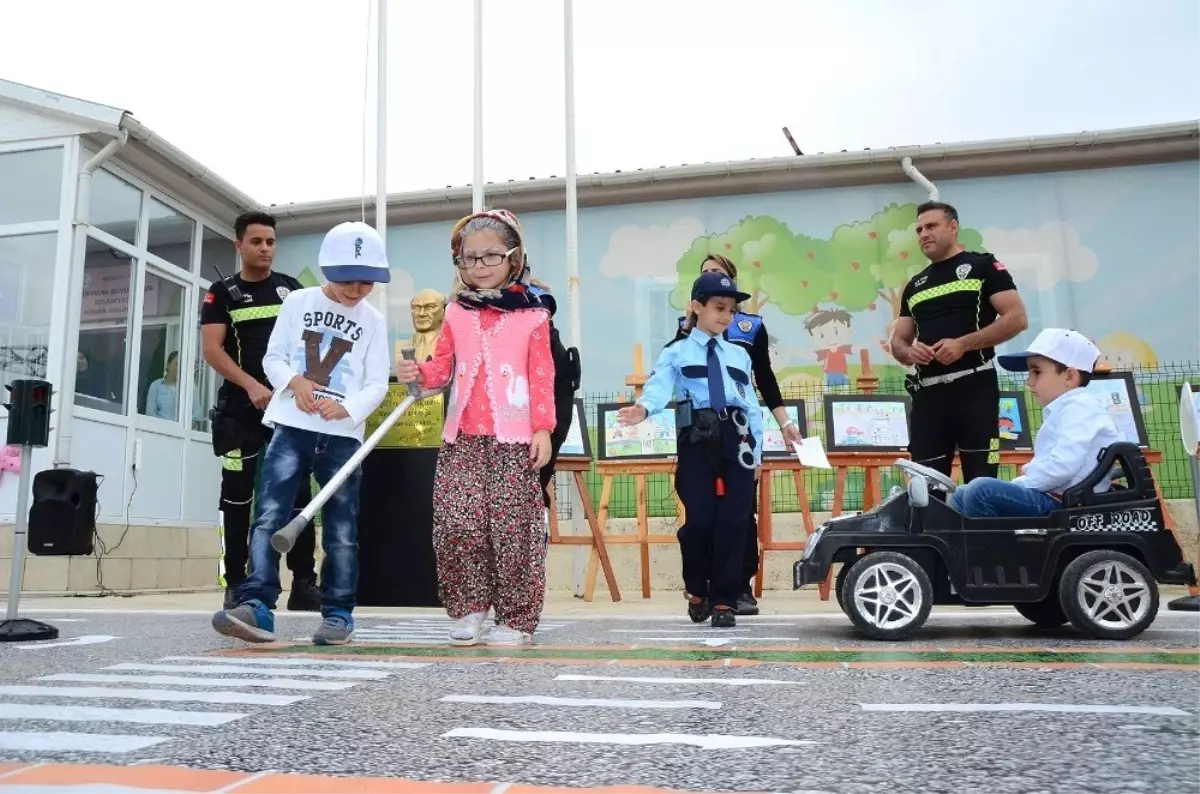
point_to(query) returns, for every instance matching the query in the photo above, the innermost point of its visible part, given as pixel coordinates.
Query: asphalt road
(977, 702)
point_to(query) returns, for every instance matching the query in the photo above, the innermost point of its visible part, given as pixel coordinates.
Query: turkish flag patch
(209, 297)
(1000, 265)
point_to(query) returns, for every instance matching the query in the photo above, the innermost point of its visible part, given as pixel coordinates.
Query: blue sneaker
(335, 629)
(250, 621)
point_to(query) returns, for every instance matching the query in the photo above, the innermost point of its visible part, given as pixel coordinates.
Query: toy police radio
(28, 427)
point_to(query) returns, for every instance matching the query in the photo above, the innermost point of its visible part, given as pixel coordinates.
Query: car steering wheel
(931, 475)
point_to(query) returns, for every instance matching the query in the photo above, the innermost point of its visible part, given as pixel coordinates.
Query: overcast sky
(270, 93)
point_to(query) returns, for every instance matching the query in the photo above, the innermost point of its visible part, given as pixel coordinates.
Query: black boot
(723, 618)
(698, 609)
(747, 604)
(305, 596)
(231, 599)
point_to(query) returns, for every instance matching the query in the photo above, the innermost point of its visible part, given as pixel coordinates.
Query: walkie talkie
(235, 292)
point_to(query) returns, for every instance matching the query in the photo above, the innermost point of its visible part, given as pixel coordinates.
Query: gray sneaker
(334, 630)
(250, 621)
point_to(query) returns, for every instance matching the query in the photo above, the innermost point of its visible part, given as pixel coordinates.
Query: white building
(109, 237)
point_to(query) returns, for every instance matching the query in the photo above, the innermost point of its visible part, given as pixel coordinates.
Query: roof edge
(1073, 151)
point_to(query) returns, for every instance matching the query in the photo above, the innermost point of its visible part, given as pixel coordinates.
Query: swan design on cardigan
(516, 387)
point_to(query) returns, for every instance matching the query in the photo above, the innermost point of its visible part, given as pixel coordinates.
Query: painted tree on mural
(774, 266)
(872, 260)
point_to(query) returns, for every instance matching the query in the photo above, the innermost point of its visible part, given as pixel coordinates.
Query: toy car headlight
(812, 542)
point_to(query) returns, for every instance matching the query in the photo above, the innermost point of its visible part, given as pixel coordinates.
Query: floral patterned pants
(489, 531)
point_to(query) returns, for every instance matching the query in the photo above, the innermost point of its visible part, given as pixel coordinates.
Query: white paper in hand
(811, 453)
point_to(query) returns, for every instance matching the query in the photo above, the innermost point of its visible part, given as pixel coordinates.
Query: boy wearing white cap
(328, 362)
(1075, 428)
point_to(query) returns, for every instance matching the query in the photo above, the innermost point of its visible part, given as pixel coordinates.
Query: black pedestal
(396, 564)
(26, 630)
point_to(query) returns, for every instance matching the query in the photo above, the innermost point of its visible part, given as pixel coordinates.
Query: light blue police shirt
(682, 368)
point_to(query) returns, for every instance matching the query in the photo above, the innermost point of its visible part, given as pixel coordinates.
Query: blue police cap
(717, 285)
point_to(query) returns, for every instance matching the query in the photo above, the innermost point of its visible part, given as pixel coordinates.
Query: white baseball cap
(353, 251)
(1069, 348)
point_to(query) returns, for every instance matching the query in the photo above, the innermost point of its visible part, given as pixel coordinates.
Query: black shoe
(747, 604)
(231, 599)
(699, 611)
(305, 596)
(723, 619)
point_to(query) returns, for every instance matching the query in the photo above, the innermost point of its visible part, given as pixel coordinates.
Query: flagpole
(380, 291)
(572, 219)
(477, 180)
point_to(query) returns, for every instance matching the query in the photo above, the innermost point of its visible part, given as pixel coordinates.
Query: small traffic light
(29, 412)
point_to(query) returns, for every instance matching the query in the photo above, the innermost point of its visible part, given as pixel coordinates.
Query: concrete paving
(618, 695)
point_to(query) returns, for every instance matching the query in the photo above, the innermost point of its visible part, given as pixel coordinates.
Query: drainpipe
(912, 173)
(79, 226)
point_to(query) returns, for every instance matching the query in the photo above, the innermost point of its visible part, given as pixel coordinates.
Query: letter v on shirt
(343, 350)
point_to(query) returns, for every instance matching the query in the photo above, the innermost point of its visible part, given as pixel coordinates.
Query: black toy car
(1096, 562)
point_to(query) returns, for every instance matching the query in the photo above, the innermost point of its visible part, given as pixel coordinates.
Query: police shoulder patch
(282, 292)
(745, 325)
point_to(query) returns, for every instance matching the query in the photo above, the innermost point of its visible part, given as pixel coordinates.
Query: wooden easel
(639, 470)
(579, 467)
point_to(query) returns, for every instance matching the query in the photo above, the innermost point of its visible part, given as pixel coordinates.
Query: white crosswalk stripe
(420, 631)
(182, 680)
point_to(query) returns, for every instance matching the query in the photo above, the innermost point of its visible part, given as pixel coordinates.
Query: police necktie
(716, 382)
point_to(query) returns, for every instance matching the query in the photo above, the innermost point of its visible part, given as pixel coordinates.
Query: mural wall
(1113, 253)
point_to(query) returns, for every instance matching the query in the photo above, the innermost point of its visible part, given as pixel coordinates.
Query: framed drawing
(651, 439)
(773, 446)
(1015, 432)
(1118, 391)
(866, 422)
(577, 444)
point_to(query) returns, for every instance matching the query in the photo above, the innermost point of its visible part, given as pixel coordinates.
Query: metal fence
(1157, 395)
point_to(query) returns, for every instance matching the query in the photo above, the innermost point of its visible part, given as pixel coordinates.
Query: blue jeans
(836, 379)
(985, 497)
(290, 456)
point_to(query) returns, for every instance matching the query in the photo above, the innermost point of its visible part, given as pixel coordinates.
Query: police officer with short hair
(750, 333)
(236, 321)
(719, 423)
(952, 315)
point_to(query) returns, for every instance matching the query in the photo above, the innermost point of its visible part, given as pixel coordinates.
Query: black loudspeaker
(62, 520)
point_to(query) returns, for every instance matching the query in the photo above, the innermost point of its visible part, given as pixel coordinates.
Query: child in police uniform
(720, 435)
(1075, 428)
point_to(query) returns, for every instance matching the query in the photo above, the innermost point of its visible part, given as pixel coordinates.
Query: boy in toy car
(1075, 429)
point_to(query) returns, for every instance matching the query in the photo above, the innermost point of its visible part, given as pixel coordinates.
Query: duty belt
(949, 377)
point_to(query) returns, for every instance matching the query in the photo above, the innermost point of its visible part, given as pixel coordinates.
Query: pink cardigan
(461, 353)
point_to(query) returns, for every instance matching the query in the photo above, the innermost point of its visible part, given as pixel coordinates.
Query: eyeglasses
(468, 261)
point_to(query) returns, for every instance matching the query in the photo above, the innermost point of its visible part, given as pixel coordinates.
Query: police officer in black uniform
(749, 332)
(237, 318)
(952, 315)
(567, 374)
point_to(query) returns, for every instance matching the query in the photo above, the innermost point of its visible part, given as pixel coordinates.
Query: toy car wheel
(1047, 613)
(1109, 595)
(887, 595)
(838, 582)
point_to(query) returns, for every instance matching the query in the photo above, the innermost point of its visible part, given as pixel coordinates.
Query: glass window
(115, 206)
(162, 338)
(205, 380)
(170, 235)
(26, 297)
(104, 323)
(216, 254)
(30, 185)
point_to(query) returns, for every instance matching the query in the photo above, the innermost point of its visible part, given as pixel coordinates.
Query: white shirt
(343, 349)
(1075, 427)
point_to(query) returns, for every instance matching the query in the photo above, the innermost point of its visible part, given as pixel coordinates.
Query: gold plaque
(419, 428)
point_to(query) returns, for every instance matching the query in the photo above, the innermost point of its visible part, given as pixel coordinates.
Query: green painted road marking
(1182, 660)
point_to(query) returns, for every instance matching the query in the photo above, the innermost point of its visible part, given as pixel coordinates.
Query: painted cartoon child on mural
(830, 330)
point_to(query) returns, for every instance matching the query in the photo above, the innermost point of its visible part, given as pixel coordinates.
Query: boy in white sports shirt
(328, 362)
(1075, 428)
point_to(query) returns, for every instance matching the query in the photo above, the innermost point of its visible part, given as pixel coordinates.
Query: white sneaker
(468, 630)
(503, 635)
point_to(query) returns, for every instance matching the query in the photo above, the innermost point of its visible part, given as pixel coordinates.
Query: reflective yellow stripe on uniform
(966, 285)
(993, 450)
(232, 461)
(255, 313)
